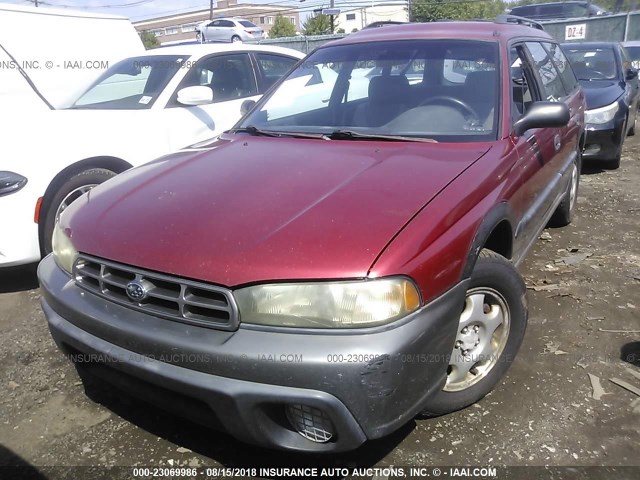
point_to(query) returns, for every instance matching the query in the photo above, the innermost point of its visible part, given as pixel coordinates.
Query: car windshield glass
(445, 90)
(131, 84)
(592, 63)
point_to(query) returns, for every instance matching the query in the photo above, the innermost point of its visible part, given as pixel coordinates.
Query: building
(351, 19)
(182, 27)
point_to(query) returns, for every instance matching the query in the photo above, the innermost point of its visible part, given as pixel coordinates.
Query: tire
(614, 163)
(632, 130)
(67, 193)
(565, 210)
(498, 285)
(235, 39)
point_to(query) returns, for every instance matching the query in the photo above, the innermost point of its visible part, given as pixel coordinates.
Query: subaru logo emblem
(136, 291)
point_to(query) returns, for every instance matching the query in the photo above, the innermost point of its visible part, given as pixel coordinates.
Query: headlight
(601, 115)
(11, 182)
(63, 250)
(328, 305)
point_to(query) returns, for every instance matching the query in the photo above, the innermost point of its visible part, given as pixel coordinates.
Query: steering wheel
(456, 102)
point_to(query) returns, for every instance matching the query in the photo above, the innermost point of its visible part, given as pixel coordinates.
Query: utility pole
(331, 5)
(210, 9)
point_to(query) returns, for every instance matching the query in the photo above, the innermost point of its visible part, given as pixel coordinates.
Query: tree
(149, 40)
(318, 24)
(432, 10)
(282, 27)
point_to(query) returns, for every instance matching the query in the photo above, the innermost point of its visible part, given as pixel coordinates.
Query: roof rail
(519, 21)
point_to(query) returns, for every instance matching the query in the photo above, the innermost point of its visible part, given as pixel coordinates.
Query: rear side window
(562, 65)
(273, 67)
(456, 70)
(552, 86)
(523, 11)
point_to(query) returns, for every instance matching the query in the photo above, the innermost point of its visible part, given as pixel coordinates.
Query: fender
(499, 213)
(114, 164)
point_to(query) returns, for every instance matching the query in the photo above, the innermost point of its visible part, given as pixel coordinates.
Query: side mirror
(543, 115)
(630, 74)
(246, 106)
(196, 95)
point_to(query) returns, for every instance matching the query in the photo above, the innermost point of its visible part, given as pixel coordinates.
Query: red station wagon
(345, 257)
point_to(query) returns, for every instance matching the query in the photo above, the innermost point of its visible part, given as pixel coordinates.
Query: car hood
(600, 93)
(254, 209)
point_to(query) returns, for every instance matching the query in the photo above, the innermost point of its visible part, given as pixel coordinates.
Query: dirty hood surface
(255, 209)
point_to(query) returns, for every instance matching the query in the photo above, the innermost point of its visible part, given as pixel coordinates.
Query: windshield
(446, 90)
(592, 63)
(132, 84)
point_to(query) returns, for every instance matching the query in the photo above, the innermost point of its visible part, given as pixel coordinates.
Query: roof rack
(519, 21)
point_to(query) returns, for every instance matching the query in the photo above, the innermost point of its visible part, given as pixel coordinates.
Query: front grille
(164, 296)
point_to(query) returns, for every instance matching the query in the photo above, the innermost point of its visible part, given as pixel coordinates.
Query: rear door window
(551, 82)
(562, 65)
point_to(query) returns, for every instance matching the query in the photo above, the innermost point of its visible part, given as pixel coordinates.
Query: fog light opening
(312, 423)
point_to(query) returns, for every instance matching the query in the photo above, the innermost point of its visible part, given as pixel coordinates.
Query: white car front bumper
(18, 232)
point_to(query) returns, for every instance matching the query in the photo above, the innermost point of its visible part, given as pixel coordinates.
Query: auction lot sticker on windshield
(144, 100)
(575, 32)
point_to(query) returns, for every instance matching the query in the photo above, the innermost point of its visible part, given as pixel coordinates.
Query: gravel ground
(584, 298)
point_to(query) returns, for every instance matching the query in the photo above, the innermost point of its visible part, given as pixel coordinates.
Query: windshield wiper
(351, 135)
(252, 130)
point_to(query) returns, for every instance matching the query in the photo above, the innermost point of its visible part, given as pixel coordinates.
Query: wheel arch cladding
(495, 233)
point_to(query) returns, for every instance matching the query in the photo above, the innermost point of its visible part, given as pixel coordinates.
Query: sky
(138, 9)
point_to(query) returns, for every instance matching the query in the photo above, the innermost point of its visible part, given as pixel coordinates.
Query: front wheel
(564, 213)
(66, 194)
(632, 130)
(489, 333)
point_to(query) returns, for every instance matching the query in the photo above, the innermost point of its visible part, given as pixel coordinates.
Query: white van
(47, 58)
(70, 50)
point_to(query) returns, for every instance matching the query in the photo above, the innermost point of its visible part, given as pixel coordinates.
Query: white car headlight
(601, 115)
(63, 250)
(328, 304)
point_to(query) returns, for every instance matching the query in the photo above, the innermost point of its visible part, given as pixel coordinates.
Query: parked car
(632, 48)
(317, 277)
(137, 110)
(558, 10)
(611, 87)
(228, 30)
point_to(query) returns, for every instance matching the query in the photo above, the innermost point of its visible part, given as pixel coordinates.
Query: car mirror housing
(246, 106)
(630, 74)
(196, 95)
(543, 115)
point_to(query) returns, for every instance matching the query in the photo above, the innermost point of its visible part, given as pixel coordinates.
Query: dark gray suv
(558, 10)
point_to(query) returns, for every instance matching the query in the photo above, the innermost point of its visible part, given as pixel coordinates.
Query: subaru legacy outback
(345, 257)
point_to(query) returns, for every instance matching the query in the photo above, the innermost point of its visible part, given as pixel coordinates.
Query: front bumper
(369, 382)
(19, 243)
(604, 141)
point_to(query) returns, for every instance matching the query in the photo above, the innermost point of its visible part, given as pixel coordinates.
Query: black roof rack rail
(519, 21)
